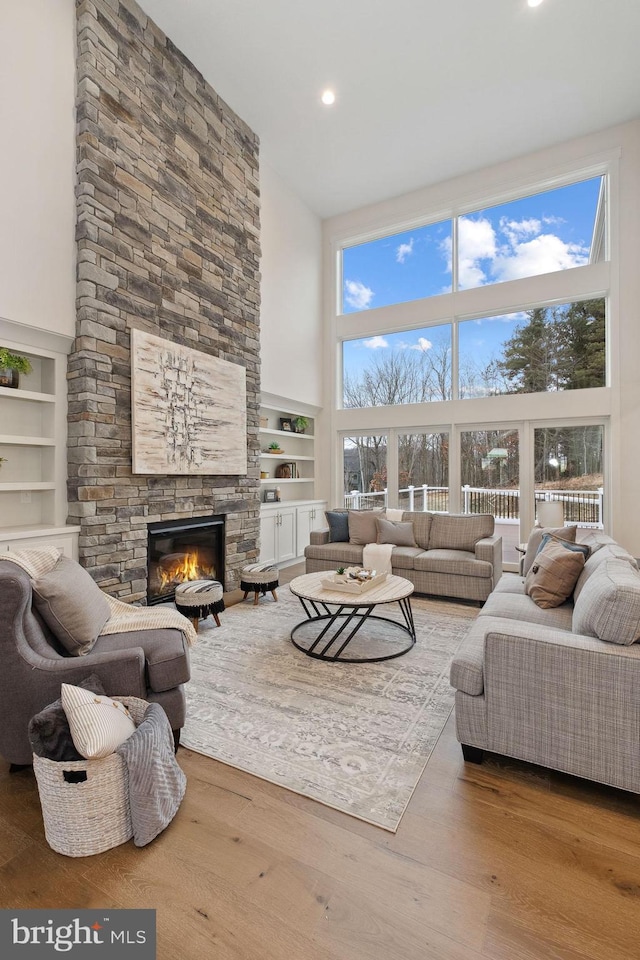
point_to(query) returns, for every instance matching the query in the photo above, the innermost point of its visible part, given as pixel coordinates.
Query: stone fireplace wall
(168, 242)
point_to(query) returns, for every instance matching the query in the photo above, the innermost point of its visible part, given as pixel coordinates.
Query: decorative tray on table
(354, 580)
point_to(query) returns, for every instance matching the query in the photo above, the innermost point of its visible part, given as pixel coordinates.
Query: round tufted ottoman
(196, 599)
(259, 578)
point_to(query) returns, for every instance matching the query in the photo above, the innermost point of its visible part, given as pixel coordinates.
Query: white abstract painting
(189, 410)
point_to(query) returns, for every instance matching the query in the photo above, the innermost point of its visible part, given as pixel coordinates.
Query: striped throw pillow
(98, 724)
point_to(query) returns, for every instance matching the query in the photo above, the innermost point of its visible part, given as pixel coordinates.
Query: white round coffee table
(334, 617)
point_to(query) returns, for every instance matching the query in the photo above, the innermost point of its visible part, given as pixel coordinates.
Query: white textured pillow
(98, 724)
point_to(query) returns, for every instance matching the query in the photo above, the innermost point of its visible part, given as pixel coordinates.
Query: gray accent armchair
(150, 664)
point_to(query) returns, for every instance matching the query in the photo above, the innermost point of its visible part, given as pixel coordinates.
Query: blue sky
(541, 234)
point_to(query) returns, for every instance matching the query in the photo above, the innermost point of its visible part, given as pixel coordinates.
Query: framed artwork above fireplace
(189, 410)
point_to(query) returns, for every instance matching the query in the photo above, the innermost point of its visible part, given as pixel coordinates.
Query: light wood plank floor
(500, 862)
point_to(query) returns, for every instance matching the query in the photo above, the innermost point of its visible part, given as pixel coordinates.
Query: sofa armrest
(490, 549)
(565, 701)
(318, 537)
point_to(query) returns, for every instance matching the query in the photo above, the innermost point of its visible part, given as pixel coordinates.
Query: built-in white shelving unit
(286, 524)
(33, 421)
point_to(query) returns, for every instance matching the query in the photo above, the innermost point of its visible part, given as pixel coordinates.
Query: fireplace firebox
(179, 550)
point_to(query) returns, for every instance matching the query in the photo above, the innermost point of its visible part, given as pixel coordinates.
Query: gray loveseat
(456, 555)
(559, 687)
(150, 664)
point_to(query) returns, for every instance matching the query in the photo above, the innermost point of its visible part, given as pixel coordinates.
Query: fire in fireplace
(180, 550)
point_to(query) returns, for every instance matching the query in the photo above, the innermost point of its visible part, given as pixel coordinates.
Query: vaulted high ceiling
(425, 90)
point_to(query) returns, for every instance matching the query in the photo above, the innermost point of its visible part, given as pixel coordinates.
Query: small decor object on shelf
(11, 366)
(286, 424)
(301, 424)
(3, 460)
(275, 448)
(270, 496)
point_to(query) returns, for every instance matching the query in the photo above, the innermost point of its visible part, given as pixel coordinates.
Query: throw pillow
(72, 605)
(459, 532)
(362, 526)
(535, 539)
(338, 521)
(554, 572)
(49, 732)
(397, 532)
(610, 606)
(98, 724)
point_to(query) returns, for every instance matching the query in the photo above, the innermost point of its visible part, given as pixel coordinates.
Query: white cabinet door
(268, 536)
(287, 546)
(310, 517)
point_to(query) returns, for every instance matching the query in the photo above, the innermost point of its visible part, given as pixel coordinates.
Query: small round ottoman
(259, 578)
(196, 599)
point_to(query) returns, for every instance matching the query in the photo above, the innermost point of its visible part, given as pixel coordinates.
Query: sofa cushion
(451, 532)
(535, 539)
(362, 526)
(399, 533)
(600, 553)
(509, 583)
(457, 562)
(339, 553)
(338, 521)
(610, 607)
(554, 571)
(403, 558)
(421, 526)
(519, 606)
(98, 724)
(72, 605)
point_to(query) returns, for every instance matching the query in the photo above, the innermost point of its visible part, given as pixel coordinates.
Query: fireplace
(179, 550)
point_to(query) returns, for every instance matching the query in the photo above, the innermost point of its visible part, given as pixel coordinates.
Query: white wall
(291, 339)
(617, 149)
(37, 160)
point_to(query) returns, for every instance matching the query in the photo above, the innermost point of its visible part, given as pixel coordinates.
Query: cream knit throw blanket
(124, 617)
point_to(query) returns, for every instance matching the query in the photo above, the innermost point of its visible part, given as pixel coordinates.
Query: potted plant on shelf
(274, 447)
(301, 424)
(11, 366)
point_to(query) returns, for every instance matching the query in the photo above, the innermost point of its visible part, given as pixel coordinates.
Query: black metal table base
(342, 624)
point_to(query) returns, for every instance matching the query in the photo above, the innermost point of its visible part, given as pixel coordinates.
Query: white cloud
(422, 345)
(476, 241)
(375, 343)
(357, 295)
(544, 254)
(404, 250)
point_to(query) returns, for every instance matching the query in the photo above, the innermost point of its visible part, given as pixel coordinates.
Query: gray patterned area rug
(355, 737)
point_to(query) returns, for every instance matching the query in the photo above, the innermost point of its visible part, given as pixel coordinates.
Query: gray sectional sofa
(455, 555)
(558, 687)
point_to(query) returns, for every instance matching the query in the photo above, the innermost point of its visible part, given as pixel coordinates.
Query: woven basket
(84, 818)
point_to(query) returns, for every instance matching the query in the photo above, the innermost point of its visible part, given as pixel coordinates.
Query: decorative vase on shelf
(9, 378)
(11, 366)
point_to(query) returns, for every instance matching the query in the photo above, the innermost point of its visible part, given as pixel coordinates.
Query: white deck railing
(584, 507)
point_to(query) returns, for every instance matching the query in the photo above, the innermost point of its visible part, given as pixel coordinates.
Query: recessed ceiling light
(534, 3)
(328, 97)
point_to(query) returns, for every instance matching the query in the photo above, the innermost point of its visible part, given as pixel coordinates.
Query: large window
(409, 367)
(568, 468)
(542, 233)
(423, 471)
(534, 351)
(365, 471)
(489, 325)
(523, 238)
(405, 266)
